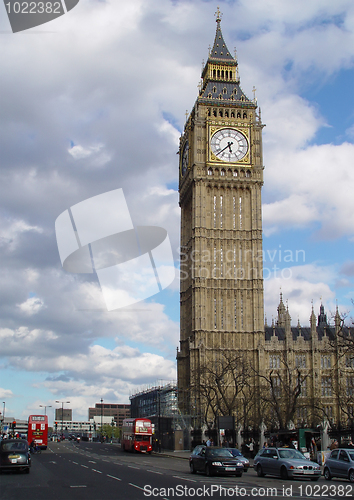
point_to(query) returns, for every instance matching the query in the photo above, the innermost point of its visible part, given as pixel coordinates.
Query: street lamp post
(3, 417)
(45, 408)
(62, 413)
(101, 420)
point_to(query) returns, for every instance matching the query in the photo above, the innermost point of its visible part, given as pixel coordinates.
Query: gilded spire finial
(218, 15)
(254, 93)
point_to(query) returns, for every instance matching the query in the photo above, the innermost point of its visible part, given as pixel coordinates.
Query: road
(95, 471)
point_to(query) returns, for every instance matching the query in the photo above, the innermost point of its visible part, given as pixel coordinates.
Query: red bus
(137, 435)
(38, 430)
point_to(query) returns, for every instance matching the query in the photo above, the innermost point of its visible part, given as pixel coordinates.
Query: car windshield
(293, 454)
(235, 452)
(11, 446)
(219, 453)
(351, 454)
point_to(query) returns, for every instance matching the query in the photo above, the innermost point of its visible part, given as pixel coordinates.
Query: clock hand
(229, 144)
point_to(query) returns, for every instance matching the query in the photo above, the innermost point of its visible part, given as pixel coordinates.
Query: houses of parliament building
(229, 362)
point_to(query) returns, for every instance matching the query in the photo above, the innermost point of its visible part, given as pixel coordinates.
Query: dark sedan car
(237, 454)
(286, 463)
(340, 463)
(14, 455)
(214, 460)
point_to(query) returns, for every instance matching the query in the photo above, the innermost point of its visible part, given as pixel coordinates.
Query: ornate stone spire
(220, 52)
(281, 312)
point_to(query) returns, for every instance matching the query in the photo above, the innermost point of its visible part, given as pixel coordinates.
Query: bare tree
(280, 390)
(226, 388)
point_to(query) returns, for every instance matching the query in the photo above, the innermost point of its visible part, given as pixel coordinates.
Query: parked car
(340, 463)
(236, 453)
(14, 454)
(214, 460)
(286, 463)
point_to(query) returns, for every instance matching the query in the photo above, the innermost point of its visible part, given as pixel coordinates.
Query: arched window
(245, 115)
(209, 112)
(214, 73)
(210, 171)
(214, 89)
(248, 173)
(226, 113)
(222, 74)
(220, 113)
(232, 114)
(214, 112)
(210, 96)
(239, 114)
(224, 90)
(235, 91)
(222, 173)
(218, 73)
(235, 173)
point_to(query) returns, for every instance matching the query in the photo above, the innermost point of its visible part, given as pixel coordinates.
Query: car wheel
(327, 474)
(191, 468)
(283, 473)
(208, 471)
(260, 471)
(351, 476)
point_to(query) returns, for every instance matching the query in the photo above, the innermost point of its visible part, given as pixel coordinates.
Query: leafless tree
(280, 389)
(227, 388)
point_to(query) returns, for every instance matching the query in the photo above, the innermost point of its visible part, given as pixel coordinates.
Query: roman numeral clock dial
(229, 145)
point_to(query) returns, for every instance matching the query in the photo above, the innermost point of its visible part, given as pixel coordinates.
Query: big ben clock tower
(220, 181)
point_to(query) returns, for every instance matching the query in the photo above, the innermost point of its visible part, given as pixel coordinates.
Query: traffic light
(14, 425)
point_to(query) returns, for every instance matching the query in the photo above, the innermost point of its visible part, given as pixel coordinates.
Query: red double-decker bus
(38, 430)
(137, 435)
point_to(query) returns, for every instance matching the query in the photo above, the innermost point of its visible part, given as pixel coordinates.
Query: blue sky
(96, 101)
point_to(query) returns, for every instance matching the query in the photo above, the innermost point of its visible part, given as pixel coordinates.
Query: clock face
(229, 144)
(185, 158)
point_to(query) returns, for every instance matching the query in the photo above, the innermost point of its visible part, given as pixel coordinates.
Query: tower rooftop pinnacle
(220, 52)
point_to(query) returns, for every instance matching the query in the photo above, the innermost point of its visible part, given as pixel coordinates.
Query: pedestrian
(208, 443)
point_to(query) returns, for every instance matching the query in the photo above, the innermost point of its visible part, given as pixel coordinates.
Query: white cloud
(11, 231)
(5, 393)
(32, 305)
(301, 286)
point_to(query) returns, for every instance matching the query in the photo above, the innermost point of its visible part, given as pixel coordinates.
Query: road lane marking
(79, 486)
(132, 467)
(98, 471)
(154, 472)
(135, 486)
(185, 479)
(84, 466)
(76, 463)
(113, 477)
(92, 462)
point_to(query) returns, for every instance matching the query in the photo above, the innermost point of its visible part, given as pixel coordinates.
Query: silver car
(340, 463)
(286, 463)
